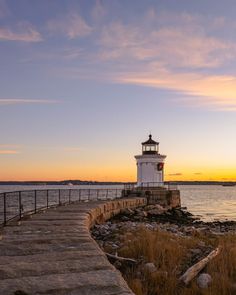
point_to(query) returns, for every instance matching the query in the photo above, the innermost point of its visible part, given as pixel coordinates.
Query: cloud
(8, 152)
(6, 149)
(215, 92)
(175, 174)
(175, 46)
(24, 32)
(197, 173)
(13, 101)
(177, 52)
(72, 26)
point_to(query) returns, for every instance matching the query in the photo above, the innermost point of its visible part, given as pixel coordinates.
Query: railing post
(20, 205)
(35, 201)
(47, 198)
(107, 194)
(59, 197)
(97, 194)
(69, 196)
(89, 195)
(116, 193)
(4, 209)
(79, 195)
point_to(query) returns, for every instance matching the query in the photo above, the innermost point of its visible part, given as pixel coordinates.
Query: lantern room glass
(150, 148)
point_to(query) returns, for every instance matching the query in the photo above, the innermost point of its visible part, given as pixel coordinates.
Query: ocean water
(209, 202)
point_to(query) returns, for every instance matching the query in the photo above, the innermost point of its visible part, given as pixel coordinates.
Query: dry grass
(172, 256)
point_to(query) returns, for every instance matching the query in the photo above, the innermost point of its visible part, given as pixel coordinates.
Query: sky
(84, 82)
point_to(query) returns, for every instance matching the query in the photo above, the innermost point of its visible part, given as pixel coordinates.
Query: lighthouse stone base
(161, 196)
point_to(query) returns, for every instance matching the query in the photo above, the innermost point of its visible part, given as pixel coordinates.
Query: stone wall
(166, 198)
(109, 209)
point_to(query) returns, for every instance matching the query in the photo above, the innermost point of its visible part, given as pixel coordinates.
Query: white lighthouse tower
(150, 165)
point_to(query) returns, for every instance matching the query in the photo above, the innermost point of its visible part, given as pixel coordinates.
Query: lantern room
(150, 146)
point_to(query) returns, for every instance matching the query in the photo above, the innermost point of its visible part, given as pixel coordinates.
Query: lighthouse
(150, 165)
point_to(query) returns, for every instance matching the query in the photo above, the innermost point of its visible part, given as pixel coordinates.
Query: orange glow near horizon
(121, 174)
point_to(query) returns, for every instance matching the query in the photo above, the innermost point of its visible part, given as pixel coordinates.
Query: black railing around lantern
(17, 204)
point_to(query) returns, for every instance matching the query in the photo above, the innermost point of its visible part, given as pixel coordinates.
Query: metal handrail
(17, 204)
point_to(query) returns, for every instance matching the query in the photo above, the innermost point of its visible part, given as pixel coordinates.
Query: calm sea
(210, 202)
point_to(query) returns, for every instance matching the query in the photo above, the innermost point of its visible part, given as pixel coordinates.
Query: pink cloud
(6, 149)
(171, 46)
(9, 152)
(151, 54)
(212, 91)
(24, 32)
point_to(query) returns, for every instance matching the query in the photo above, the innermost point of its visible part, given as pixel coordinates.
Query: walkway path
(52, 252)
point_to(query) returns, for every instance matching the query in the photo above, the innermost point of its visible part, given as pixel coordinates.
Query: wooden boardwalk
(53, 253)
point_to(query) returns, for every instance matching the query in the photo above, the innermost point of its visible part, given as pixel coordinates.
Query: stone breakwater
(155, 217)
(123, 236)
(52, 252)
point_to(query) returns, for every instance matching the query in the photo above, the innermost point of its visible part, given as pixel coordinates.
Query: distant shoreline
(88, 182)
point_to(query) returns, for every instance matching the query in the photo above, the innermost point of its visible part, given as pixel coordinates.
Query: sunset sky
(83, 83)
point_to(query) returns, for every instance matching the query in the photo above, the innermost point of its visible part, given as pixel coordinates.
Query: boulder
(142, 214)
(204, 280)
(127, 211)
(157, 210)
(150, 267)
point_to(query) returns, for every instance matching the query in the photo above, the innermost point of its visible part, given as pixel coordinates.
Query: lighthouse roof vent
(150, 141)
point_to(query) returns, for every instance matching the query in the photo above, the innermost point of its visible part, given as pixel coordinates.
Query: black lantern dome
(150, 146)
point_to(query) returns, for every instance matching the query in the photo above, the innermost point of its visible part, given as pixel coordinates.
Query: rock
(150, 207)
(201, 244)
(20, 292)
(204, 280)
(154, 212)
(124, 218)
(150, 267)
(157, 210)
(178, 213)
(127, 211)
(142, 214)
(203, 231)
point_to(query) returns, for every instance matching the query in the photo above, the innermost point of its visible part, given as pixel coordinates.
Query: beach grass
(172, 255)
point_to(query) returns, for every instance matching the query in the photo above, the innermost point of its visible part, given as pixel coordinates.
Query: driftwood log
(122, 259)
(193, 271)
